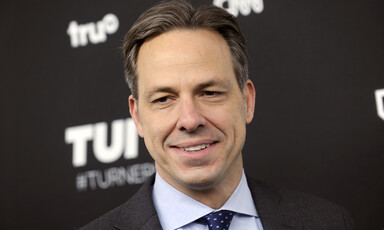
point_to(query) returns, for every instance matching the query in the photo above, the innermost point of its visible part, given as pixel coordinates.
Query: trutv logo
(244, 7)
(94, 32)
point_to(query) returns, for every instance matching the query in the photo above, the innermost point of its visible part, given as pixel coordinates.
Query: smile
(196, 148)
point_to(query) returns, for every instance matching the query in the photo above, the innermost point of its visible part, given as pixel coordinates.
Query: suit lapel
(139, 213)
(267, 200)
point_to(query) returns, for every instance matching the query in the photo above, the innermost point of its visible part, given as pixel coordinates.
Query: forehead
(176, 54)
(180, 39)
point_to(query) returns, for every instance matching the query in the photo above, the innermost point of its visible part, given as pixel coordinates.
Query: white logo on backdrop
(379, 94)
(114, 176)
(124, 142)
(124, 139)
(92, 32)
(245, 7)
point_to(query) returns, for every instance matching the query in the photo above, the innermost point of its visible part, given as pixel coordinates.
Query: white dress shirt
(177, 211)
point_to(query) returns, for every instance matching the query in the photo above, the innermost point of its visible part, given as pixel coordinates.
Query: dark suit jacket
(279, 209)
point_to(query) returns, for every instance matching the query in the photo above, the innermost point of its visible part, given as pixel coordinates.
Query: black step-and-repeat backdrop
(69, 149)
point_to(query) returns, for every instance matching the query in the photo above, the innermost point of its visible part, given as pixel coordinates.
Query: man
(191, 101)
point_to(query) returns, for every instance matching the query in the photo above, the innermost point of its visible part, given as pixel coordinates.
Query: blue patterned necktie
(217, 220)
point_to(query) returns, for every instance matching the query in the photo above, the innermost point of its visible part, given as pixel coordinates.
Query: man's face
(190, 110)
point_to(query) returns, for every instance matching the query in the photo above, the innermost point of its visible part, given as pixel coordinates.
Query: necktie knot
(218, 220)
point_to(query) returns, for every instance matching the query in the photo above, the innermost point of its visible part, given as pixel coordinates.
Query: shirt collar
(175, 209)
(241, 200)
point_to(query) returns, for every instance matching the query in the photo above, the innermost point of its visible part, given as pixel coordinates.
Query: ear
(249, 93)
(133, 110)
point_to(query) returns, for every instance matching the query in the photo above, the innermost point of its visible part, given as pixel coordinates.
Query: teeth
(196, 148)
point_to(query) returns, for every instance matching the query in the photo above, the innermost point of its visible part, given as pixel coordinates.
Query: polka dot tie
(217, 220)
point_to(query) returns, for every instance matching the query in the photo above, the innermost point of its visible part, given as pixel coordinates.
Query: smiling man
(191, 101)
(192, 113)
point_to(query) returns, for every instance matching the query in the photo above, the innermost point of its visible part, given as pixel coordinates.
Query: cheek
(156, 129)
(228, 117)
(231, 123)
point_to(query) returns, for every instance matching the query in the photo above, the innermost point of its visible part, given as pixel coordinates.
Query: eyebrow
(213, 82)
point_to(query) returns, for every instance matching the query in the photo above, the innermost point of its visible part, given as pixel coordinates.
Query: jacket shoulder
(308, 211)
(137, 213)
(105, 221)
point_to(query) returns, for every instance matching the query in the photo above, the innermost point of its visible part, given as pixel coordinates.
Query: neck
(216, 196)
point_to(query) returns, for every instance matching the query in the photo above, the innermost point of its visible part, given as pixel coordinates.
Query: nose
(190, 117)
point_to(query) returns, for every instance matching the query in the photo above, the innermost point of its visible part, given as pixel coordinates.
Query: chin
(200, 182)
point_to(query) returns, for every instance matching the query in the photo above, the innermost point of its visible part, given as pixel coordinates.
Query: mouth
(196, 148)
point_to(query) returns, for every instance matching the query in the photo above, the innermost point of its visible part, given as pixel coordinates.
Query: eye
(211, 93)
(161, 100)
